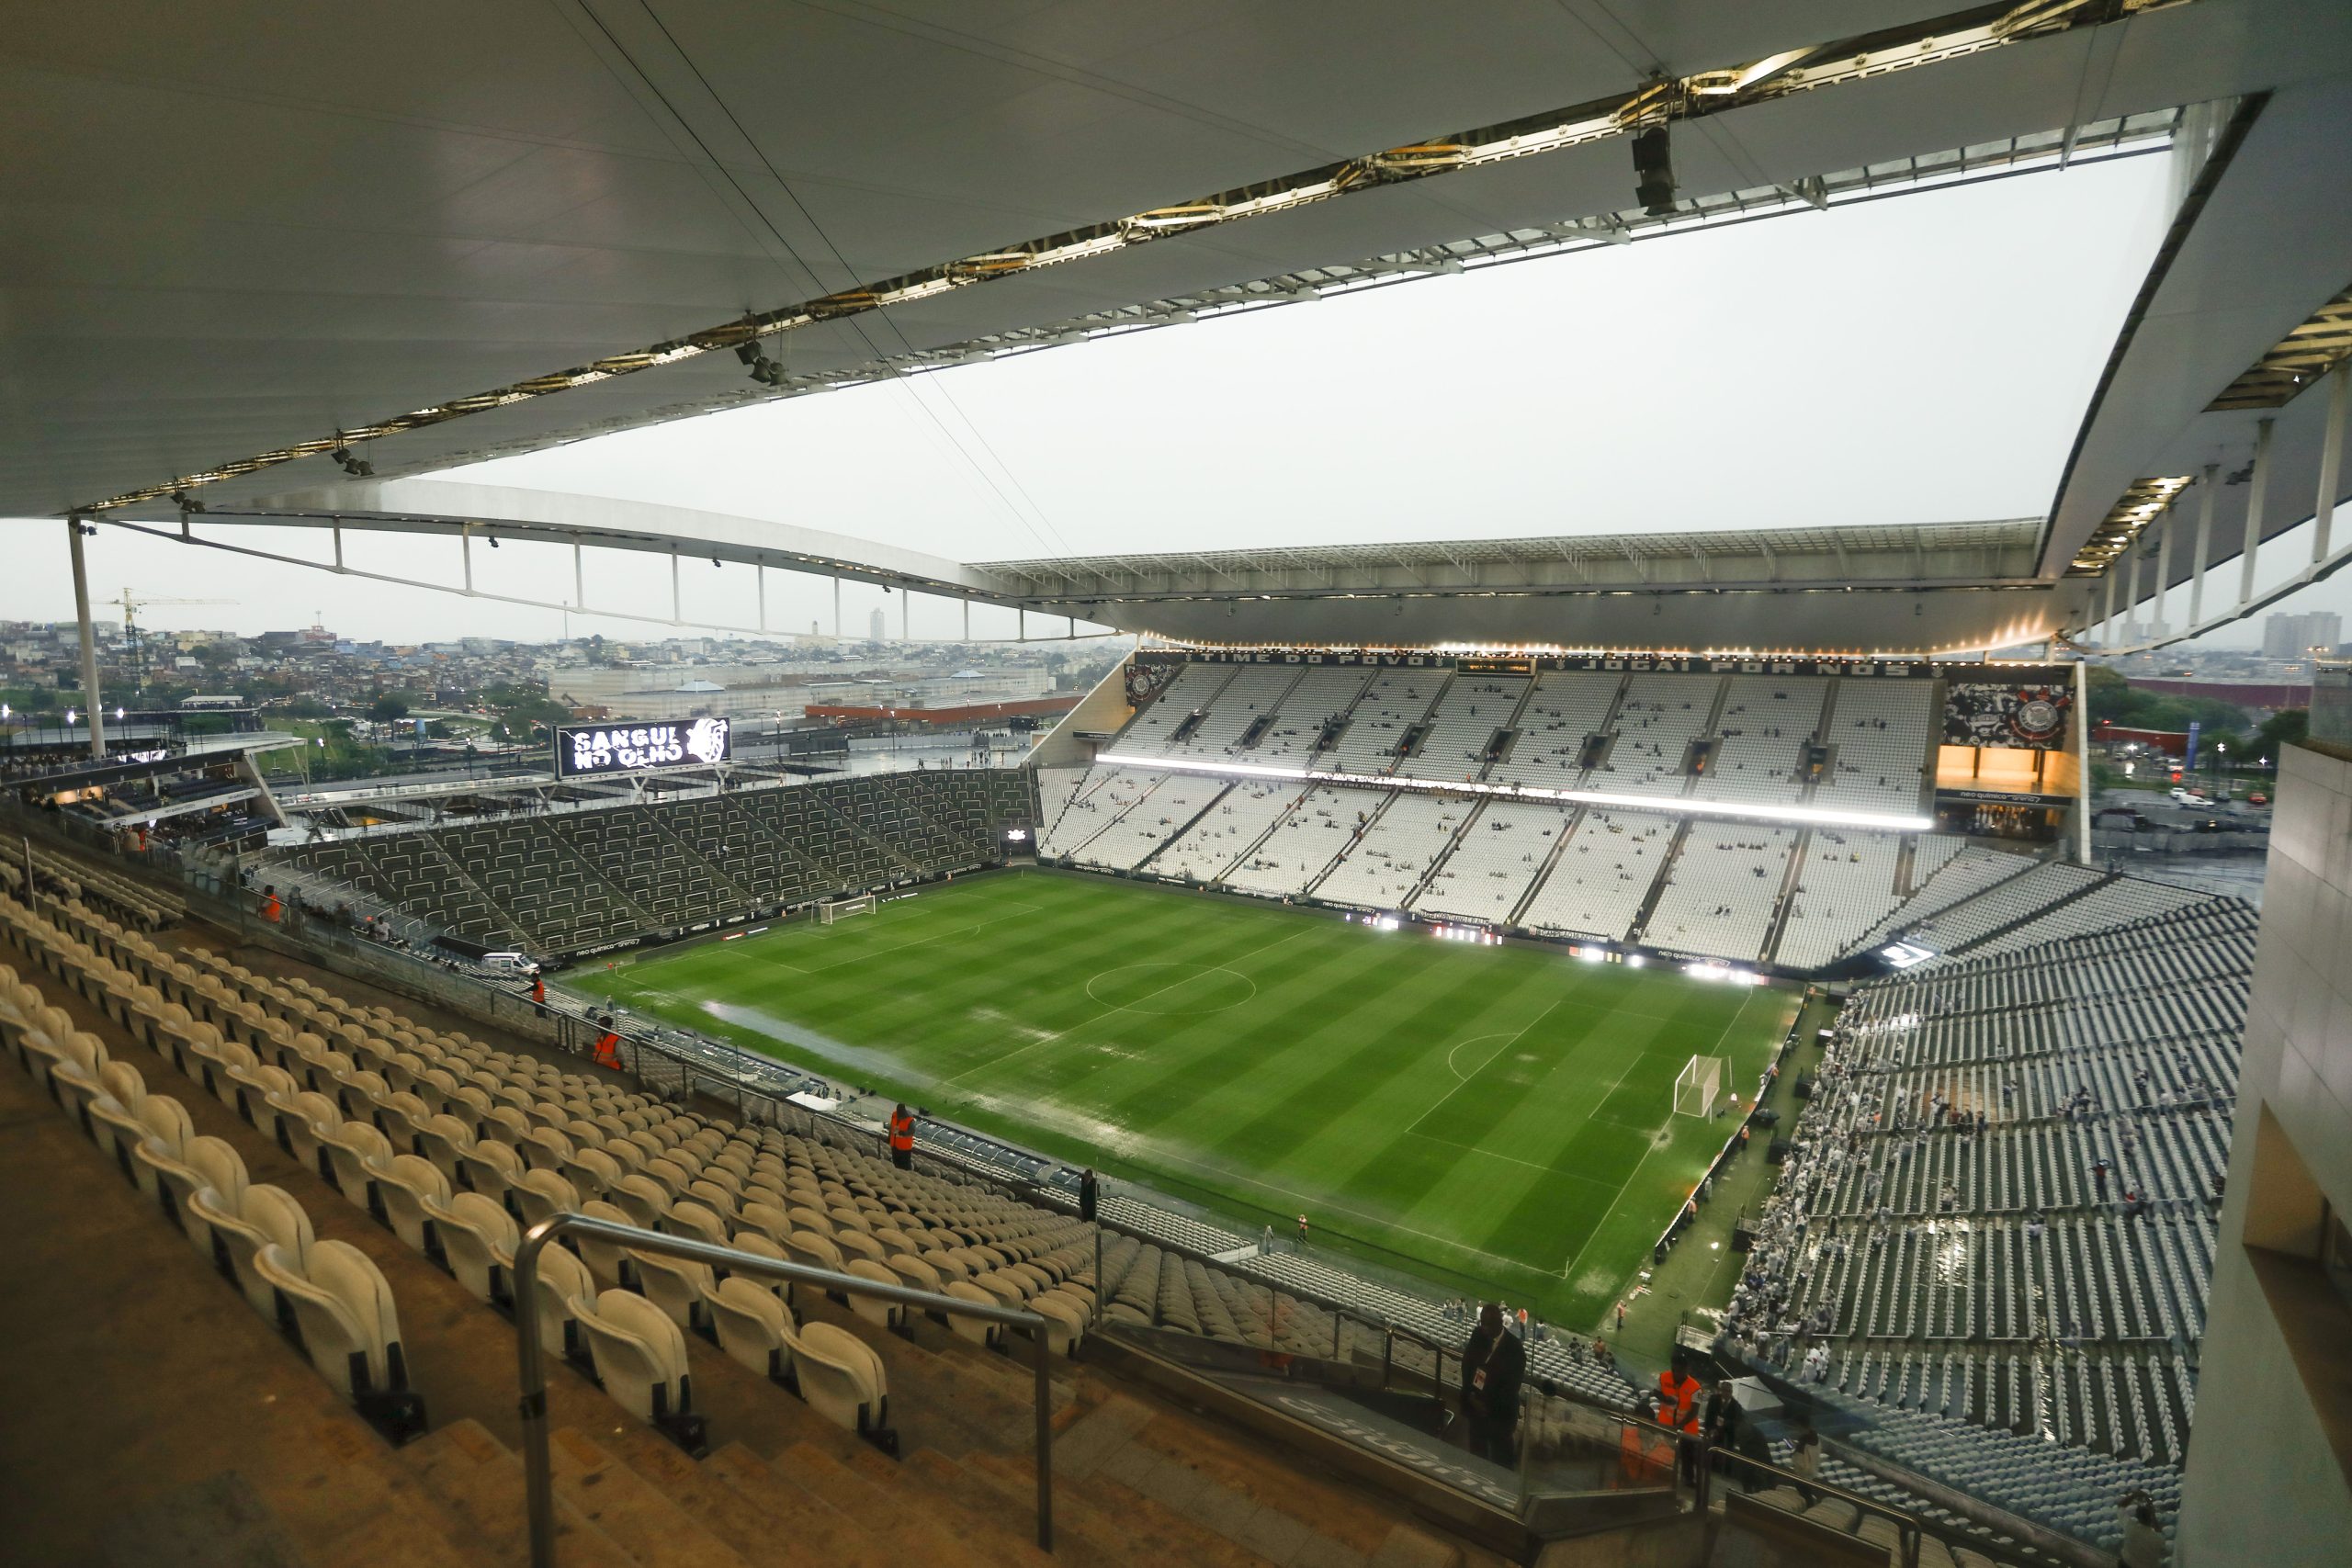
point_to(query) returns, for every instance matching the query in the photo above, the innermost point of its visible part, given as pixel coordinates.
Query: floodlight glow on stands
(1703, 971)
(1810, 816)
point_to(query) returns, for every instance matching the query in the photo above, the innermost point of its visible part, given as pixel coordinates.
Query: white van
(509, 963)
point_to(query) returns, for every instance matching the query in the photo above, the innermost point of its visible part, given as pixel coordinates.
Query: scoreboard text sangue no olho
(582, 749)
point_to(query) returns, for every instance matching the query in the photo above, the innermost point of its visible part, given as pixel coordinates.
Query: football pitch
(1496, 1118)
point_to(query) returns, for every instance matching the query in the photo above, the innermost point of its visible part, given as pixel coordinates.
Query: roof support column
(2331, 457)
(2164, 560)
(837, 609)
(2107, 621)
(73, 526)
(2255, 496)
(2132, 585)
(2204, 545)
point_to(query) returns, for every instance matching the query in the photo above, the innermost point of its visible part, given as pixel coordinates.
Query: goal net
(835, 909)
(1696, 1087)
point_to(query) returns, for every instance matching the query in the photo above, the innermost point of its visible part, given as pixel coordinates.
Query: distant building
(874, 625)
(2295, 636)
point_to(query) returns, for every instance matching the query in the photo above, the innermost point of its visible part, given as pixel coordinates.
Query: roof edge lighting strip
(2130, 136)
(1659, 102)
(1672, 805)
(2141, 502)
(2317, 346)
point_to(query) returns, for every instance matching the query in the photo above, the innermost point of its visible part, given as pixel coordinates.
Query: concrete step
(828, 1534)
(480, 1482)
(933, 1482)
(914, 1531)
(1238, 1478)
(1111, 1520)
(649, 1524)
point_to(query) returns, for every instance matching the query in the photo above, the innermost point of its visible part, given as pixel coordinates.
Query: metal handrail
(538, 1479)
(1910, 1529)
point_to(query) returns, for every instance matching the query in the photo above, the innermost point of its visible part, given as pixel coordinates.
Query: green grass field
(1497, 1116)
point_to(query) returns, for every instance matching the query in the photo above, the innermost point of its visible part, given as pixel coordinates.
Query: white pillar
(2204, 544)
(2132, 580)
(2331, 457)
(2256, 494)
(2164, 558)
(837, 609)
(2107, 622)
(73, 526)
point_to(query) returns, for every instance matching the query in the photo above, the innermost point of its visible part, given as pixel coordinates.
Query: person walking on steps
(1494, 1363)
(903, 1138)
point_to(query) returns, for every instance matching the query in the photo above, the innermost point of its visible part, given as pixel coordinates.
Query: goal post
(1696, 1087)
(832, 910)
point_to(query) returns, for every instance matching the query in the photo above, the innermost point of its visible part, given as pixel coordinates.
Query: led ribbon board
(585, 751)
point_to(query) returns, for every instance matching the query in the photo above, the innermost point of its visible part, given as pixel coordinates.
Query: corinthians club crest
(2039, 717)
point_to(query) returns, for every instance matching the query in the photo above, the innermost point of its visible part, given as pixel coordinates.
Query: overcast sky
(1920, 359)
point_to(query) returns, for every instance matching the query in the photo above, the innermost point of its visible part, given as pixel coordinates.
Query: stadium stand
(1994, 1242)
(1151, 821)
(1767, 721)
(1722, 891)
(1495, 862)
(1960, 872)
(1567, 708)
(1219, 836)
(2115, 903)
(1389, 859)
(1248, 698)
(1603, 874)
(2002, 906)
(1462, 725)
(1303, 844)
(1154, 730)
(1310, 707)
(1657, 720)
(1395, 702)
(560, 881)
(1879, 734)
(1845, 885)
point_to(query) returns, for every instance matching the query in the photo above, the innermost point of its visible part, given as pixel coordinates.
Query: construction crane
(137, 649)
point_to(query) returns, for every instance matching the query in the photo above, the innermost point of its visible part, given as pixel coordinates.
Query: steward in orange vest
(608, 1045)
(903, 1138)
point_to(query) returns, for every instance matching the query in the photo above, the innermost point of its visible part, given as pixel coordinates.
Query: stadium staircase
(1437, 861)
(812, 875)
(2072, 896)
(1568, 826)
(1353, 838)
(856, 831)
(1659, 885)
(505, 919)
(1184, 827)
(588, 867)
(711, 866)
(1786, 900)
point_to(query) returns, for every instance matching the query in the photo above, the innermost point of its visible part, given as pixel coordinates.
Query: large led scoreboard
(585, 750)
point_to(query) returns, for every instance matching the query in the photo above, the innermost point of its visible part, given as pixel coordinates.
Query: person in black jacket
(1087, 1192)
(1493, 1365)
